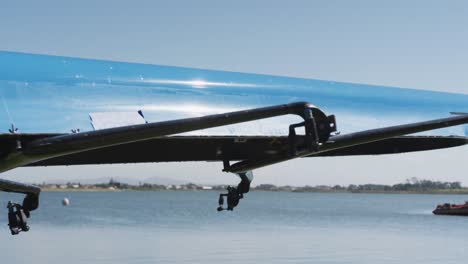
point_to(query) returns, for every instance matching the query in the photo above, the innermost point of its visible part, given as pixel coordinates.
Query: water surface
(267, 227)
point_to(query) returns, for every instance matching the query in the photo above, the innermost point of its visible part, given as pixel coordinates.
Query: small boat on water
(452, 209)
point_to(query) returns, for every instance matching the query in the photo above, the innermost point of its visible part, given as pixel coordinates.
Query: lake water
(267, 227)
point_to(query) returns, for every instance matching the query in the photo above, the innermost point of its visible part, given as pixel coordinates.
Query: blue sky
(417, 44)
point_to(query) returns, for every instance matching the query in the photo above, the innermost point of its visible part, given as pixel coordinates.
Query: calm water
(184, 227)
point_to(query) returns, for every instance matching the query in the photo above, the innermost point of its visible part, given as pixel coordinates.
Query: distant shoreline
(413, 186)
(435, 192)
